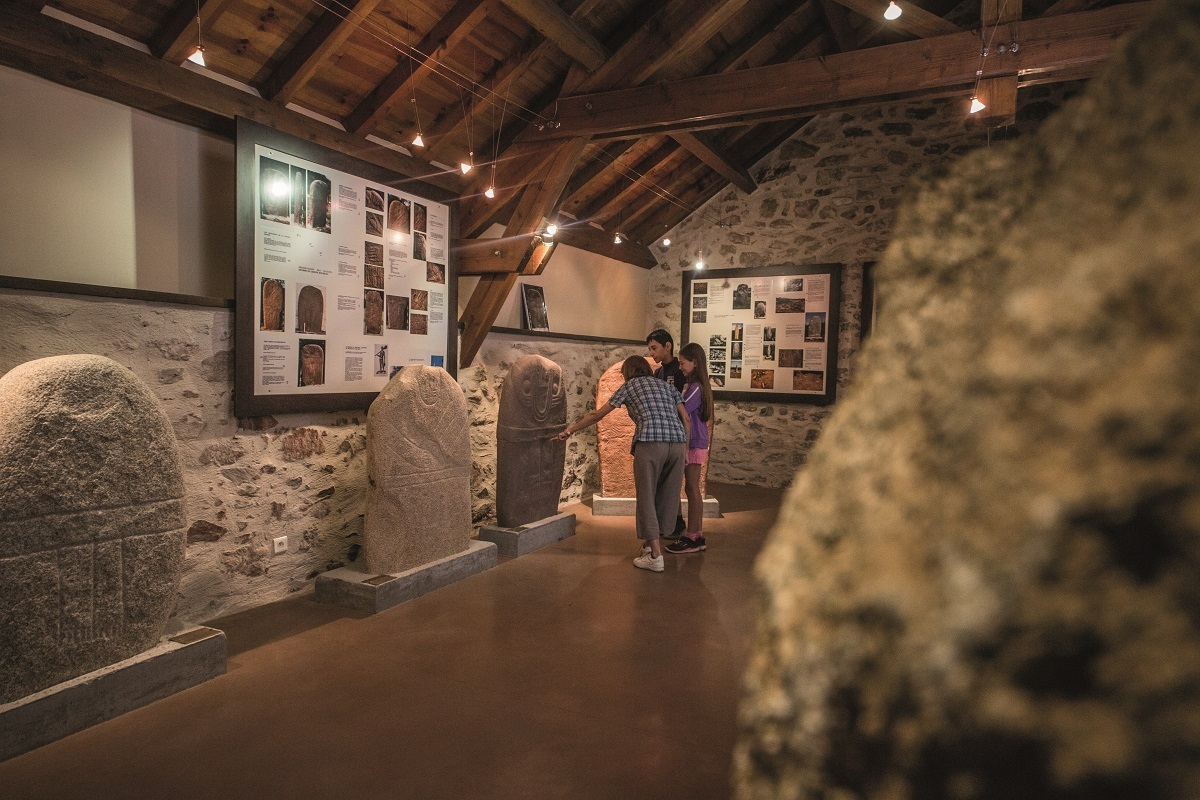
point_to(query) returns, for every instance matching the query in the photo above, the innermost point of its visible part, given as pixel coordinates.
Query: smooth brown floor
(565, 673)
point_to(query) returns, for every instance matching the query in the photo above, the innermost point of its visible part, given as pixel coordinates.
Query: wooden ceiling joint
(178, 36)
(573, 39)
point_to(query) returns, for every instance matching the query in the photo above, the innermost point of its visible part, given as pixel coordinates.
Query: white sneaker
(647, 561)
(646, 550)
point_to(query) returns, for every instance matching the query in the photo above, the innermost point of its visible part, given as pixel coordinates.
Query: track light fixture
(893, 11)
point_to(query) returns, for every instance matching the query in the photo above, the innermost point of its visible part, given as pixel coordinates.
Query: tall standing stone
(418, 471)
(615, 435)
(91, 520)
(529, 469)
(984, 584)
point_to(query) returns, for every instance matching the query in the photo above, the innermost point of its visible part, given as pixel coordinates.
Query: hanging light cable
(197, 56)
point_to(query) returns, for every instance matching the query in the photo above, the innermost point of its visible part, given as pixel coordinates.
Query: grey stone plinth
(514, 542)
(363, 591)
(177, 663)
(627, 507)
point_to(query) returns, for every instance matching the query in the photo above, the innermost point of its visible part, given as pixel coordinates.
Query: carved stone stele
(615, 435)
(529, 468)
(91, 520)
(418, 471)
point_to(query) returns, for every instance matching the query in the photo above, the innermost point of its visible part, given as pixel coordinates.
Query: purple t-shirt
(693, 399)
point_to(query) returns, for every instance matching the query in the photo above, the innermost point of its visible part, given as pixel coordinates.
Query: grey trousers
(658, 478)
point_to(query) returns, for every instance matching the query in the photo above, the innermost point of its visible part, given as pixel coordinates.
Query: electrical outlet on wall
(280, 543)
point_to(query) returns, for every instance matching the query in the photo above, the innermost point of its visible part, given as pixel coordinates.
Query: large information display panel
(770, 333)
(343, 276)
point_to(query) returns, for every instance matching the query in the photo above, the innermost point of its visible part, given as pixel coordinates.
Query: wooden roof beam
(177, 37)
(573, 39)
(921, 68)
(459, 21)
(319, 43)
(704, 147)
(71, 56)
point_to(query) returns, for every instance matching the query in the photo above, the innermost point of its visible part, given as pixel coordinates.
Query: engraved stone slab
(529, 468)
(91, 520)
(615, 433)
(418, 471)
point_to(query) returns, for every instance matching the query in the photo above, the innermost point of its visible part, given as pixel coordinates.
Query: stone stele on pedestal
(91, 520)
(617, 497)
(529, 470)
(417, 532)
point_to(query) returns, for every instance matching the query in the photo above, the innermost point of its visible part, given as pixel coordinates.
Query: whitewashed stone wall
(827, 195)
(299, 475)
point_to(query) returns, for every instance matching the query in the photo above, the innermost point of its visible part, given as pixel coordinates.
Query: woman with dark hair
(698, 400)
(659, 451)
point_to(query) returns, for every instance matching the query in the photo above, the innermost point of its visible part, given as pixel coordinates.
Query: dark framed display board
(344, 276)
(770, 333)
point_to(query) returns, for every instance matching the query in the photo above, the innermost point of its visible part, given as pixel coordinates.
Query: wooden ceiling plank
(568, 35)
(605, 156)
(649, 156)
(100, 66)
(914, 20)
(876, 75)
(839, 25)
(177, 37)
(1068, 7)
(704, 147)
(319, 43)
(999, 12)
(459, 21)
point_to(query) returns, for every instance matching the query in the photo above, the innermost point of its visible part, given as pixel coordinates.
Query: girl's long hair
(694, 352)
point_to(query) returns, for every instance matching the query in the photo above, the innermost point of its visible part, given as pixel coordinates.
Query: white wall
(96, 192)
(586, 294)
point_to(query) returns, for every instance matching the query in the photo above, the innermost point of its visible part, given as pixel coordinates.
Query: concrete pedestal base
(514, 542)
(627, 507)
(361, 591)
(177, 663)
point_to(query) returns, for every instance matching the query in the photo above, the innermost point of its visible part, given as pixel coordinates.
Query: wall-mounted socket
(280, 543)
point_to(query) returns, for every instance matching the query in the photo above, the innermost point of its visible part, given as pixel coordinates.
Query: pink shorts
(697, 456)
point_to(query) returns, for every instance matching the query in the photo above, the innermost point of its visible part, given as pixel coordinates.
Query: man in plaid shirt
(659, 451)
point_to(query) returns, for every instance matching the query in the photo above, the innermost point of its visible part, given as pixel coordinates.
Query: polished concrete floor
(566, 673)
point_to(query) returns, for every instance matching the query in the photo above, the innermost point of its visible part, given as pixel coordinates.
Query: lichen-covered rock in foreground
(984, 584)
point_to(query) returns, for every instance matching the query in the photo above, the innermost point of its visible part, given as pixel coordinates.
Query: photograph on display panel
(326, 276)
(767, 330)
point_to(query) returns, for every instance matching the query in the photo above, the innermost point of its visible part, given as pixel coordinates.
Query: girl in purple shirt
(698, 400)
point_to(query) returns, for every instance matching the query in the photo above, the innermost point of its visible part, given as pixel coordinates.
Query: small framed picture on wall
(534, 305)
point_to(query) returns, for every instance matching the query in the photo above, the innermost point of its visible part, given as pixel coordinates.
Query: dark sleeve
(679, 378)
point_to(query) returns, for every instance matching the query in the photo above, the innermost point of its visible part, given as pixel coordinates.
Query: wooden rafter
(922, 68)
(572, 38)
(458, 23)
(537, 201)
(839, 26)
(593, 240)
(322, 40)
(704, 147)
(73, 57)
(177, 37)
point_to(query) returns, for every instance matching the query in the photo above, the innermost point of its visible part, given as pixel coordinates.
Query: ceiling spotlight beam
(175, 40)
(915, 20)
(925, 67)
(570, 36)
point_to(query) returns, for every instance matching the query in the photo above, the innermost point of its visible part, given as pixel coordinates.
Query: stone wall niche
(984, 583)
(91, 520)
(418, 472)
(529, 472)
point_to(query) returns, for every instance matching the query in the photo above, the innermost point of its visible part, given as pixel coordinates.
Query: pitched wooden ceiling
(621, 114)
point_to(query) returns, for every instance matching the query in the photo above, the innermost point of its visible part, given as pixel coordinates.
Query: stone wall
(827, 195)
(299, 475)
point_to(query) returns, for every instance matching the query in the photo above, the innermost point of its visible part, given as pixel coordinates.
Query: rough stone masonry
(984, 585)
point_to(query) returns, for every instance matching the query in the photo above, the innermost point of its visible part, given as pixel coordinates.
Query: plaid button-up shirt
(652, 405)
